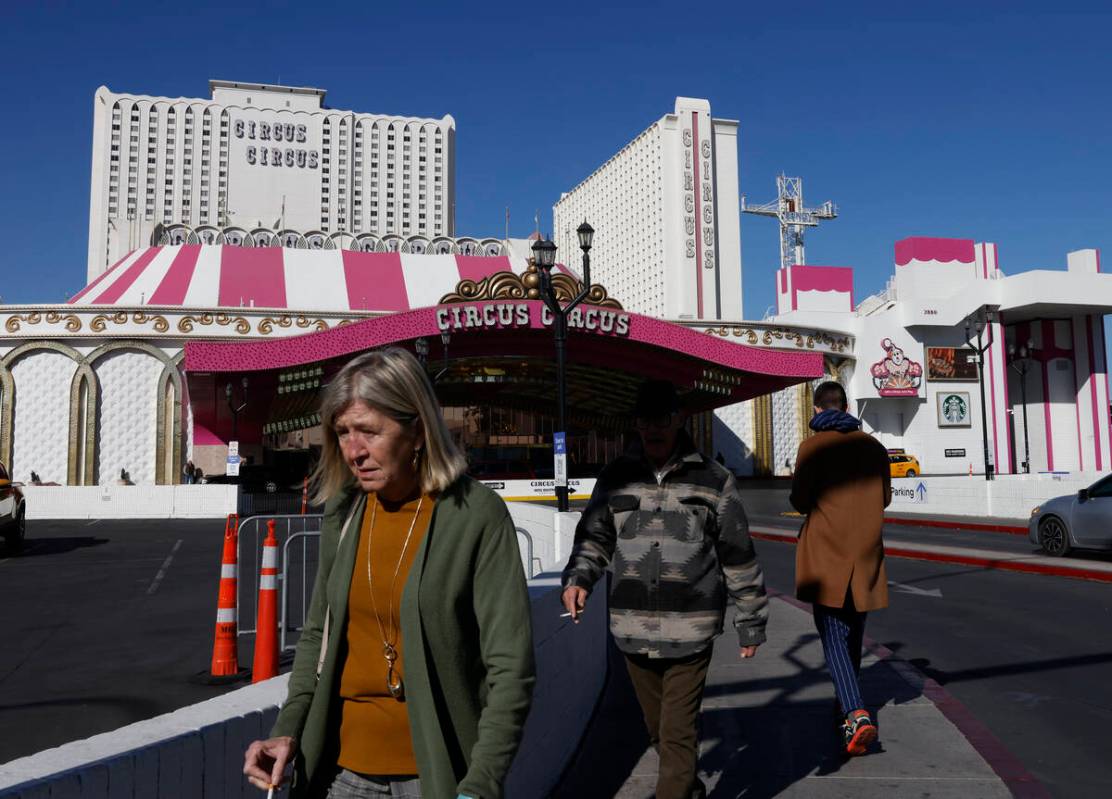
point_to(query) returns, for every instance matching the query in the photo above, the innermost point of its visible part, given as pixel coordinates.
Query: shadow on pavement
(1007, 669)
(750, 747)
(614, 740)
(56, 546)
(134, 707)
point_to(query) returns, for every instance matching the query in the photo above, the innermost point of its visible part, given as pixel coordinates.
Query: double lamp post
(1022, 365)
(976, 328)
(544, 254)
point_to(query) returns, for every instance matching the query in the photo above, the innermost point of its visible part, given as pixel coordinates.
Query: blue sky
(983, 120)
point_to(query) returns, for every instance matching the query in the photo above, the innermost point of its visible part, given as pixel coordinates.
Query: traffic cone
(305, 496)
(266, 629)
(970, 468)
(225, 658)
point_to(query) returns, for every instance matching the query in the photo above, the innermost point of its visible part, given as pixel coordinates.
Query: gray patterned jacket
(676, 548)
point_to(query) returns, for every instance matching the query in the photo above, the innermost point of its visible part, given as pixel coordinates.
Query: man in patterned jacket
(669, 523)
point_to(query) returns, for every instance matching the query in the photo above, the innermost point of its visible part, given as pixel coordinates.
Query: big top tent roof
(225, 276)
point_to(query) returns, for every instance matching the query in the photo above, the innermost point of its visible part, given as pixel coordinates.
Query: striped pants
(842, 630)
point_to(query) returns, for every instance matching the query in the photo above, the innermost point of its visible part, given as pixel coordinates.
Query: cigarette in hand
(270, 793)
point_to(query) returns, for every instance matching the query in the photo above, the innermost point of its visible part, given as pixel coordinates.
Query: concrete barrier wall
(197, 752)
(193, 752)
(571, 674)
(1008, 496)
(130, 502)
(552, 533)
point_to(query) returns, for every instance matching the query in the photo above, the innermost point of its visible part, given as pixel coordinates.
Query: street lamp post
(445, 337)
(1022, 366)
(544, 253)
(975, 330)
(421, 345)
(235, 409)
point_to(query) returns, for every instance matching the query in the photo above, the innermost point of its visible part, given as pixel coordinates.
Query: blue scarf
(834, 419)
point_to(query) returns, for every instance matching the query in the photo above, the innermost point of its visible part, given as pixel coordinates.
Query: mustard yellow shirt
(374, 726)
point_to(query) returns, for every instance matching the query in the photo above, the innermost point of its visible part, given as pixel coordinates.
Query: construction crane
(794, 217)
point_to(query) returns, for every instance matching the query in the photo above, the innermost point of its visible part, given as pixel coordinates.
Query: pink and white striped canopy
(223, 276)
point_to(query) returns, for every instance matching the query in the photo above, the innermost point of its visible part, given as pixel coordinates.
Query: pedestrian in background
(842, 484)
(414, 671)
(669, 524)
(189, 473)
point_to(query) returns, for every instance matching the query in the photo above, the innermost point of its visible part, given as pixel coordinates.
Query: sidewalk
(767, 730)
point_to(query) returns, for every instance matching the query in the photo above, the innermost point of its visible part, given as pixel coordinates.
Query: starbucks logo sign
(953, 409)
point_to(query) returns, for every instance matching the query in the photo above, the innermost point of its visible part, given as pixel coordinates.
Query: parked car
(900, 464)
(1082, 520)
(13, 511)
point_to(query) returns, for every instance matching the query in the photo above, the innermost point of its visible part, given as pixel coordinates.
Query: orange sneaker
(859, 732)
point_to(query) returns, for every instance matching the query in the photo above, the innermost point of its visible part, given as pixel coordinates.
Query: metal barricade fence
(298, 576)
(299, 540)
(249, 547)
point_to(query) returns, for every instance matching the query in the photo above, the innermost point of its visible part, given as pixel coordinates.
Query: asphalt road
(96, 638)
(1029, 655)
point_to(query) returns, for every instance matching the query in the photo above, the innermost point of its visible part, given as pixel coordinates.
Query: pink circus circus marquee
(499, 342)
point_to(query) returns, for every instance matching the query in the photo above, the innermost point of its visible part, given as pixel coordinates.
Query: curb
(956, 525)
(1007, 766)
(1001, 564)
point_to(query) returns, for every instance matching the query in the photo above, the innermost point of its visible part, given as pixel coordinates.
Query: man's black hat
(656, 398)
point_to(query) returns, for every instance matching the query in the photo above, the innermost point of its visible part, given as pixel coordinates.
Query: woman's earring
(416, 457)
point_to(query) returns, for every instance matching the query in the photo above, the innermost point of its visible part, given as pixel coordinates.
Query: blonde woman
(414, 672)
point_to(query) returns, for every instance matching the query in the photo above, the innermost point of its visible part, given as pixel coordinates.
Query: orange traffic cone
(305, 496)
(970, 468)
(266, 629)
(225, 659)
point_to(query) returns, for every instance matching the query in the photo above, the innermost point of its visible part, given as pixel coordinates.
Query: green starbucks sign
(953, 409)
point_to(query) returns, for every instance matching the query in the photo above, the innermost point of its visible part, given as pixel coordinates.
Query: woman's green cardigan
(466, 631)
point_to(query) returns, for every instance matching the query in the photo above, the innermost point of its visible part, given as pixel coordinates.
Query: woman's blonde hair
(392, 382)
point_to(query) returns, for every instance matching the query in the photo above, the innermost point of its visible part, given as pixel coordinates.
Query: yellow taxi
(901, 464)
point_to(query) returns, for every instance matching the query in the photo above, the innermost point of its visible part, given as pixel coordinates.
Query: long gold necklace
(394, 682)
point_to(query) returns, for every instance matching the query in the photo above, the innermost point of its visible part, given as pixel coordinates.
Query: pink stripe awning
(922, 248)
(173, 288)
(212, 276)
(100, 279)
(252, 276)
(130, 275)
(375, 281)
(475, 267)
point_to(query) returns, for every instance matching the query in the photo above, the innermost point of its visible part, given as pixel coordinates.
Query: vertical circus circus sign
(896, 375)
(698, 194)
(509, 315)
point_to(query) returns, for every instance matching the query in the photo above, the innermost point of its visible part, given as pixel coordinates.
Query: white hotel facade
(665, 211)
(258, 157)
(99, 385)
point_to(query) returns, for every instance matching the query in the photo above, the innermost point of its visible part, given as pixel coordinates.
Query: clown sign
(896, 375)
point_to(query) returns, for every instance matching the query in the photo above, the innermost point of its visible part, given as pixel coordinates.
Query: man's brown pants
(670, 692)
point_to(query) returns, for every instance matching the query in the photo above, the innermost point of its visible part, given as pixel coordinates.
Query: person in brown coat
(842, 484)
